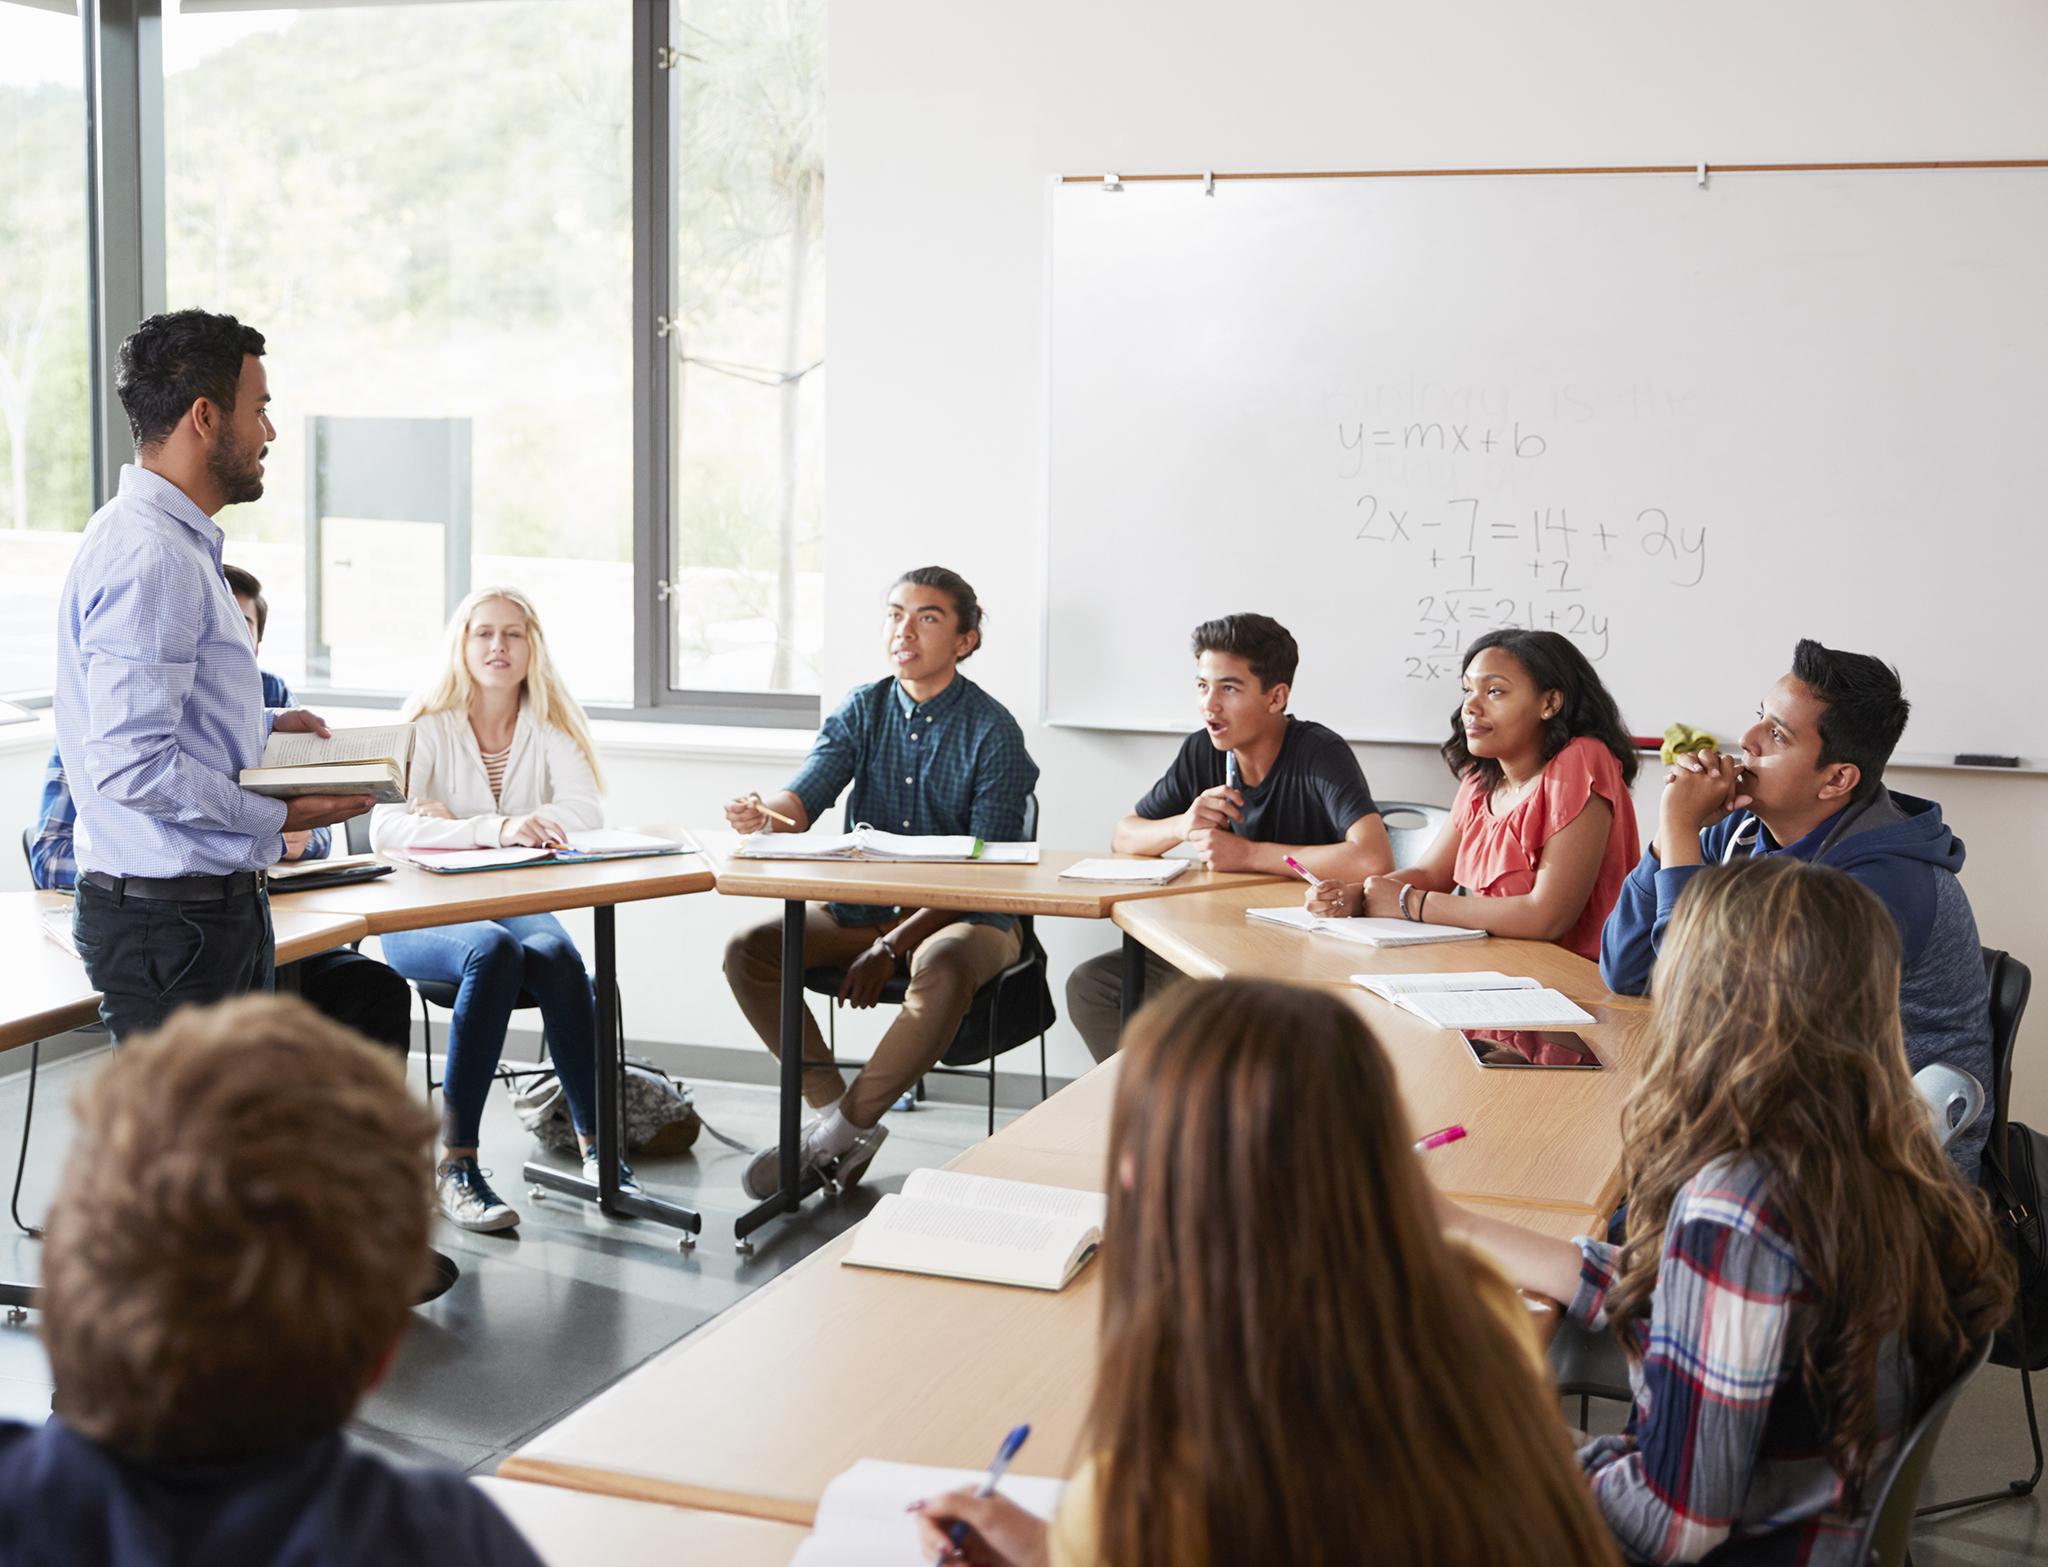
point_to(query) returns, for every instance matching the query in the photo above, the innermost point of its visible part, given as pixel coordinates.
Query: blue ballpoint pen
(1230, 778)
(957, 1531)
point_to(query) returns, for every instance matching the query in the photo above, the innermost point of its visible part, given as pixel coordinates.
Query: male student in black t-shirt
(1298, 792)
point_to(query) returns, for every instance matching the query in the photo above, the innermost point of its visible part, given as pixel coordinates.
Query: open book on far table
(975, 1227)
(577, 848)
(871, 843)
(864, 1517)
(1366, 932)
(1484, 999)
(375, 762)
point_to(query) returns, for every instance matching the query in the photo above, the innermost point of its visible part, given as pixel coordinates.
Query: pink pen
(1449, 1134)
(1310, 876)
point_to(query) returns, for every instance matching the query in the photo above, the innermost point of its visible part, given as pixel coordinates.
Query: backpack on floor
(2015, 1185)
(660, 1119)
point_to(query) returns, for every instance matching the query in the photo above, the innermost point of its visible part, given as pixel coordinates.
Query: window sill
(624, 737)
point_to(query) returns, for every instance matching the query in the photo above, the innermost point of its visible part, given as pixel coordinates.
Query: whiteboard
(1683, 425)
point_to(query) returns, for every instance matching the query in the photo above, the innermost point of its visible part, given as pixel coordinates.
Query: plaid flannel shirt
(1724, 1442)
(954, 764)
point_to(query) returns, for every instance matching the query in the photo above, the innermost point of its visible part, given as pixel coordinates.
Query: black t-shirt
(69, 1502)
(1312, 795)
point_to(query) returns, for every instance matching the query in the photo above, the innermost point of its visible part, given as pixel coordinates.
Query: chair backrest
(1945, 1088)
(1031, 818)
(1411, 828)
(358, 833)
(2011, 981)
(28, 848)
(1890, 1525)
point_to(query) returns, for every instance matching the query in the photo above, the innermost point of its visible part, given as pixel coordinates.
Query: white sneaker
(627, 1181)
(466, 1197)
(764, 1171)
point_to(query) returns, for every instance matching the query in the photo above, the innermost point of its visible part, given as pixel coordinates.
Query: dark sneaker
(466, 1197)
(627, 1181)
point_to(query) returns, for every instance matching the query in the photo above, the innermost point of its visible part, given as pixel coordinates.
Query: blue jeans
(490, 962)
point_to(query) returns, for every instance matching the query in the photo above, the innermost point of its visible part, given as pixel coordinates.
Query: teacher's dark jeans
(148, 957)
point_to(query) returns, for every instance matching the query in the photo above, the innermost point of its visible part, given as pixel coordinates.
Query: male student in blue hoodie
(1810, 783)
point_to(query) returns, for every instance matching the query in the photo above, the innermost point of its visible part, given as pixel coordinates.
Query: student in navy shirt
(227, 1269)
(1298, 792)
(1809, 783)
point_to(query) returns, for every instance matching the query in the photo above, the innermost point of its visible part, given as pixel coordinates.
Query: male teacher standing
(159, 703)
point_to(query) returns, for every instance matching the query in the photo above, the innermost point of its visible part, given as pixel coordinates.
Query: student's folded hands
(1220, 849)
(1700, 790)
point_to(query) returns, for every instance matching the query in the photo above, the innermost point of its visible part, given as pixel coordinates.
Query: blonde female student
(1295, 1365)
(502, 756)
(1543, 830)
(1804, 1270)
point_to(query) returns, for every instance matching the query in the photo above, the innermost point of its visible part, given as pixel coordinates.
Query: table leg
(790, 1191)
(1134, 977)
(611, 1134)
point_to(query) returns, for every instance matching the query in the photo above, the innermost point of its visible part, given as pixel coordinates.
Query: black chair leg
(2014, 1487)
(28, 1115)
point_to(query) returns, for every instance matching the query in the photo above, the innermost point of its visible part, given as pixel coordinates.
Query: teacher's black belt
(178, 889)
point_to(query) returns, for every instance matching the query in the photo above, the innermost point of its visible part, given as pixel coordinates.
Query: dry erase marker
(1307, 875)
(957, 1530)
(1449, 1134)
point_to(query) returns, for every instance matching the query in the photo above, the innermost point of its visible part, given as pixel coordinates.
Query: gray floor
(539, 1323)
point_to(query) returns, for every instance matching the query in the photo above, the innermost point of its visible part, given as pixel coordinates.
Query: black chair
(442, 994)
(1589, 1366)
(1005, 1013)
(1889, 1530)
(2014, 1346)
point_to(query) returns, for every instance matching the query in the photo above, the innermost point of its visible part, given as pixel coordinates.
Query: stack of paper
(1137, 873)
(1479, 1000)
(1366, 932)
(864, 1517)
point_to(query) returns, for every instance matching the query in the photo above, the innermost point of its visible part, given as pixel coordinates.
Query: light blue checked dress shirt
(955, 764)
(159, 703)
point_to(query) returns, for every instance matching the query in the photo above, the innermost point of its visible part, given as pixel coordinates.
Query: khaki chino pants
(946, 969)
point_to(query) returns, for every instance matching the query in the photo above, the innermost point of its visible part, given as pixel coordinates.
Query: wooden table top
(990, 889)
(413, 899)
(582, 1529)
(1543, 1139)
(47, 991)
(828, 1364)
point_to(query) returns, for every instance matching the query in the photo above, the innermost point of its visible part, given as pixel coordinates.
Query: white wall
(947, 118)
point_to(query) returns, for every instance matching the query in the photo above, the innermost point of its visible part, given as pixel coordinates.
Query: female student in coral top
(1804, 1271)
(502, 756)
(1543, 829)
(1295, 1365)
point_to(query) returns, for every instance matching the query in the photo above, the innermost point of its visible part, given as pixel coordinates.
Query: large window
(427, 211)
(543, 285)
(746, 335)
(45, 493)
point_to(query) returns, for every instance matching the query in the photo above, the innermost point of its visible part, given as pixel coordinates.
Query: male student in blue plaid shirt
(927, 751)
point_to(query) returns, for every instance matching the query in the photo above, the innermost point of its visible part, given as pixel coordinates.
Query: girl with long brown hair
(1804, 1271)
(1295, 1364)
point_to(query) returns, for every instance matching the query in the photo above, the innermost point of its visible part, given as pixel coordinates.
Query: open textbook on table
(864, 1517)
(1365, 931)
(1484, 999)
(871, 843)
(976, 1227)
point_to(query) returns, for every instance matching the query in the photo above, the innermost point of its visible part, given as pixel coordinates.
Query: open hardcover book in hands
(375, 762)
(975, 1227)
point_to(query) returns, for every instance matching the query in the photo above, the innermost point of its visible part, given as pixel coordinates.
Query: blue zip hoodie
(1898, 847)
